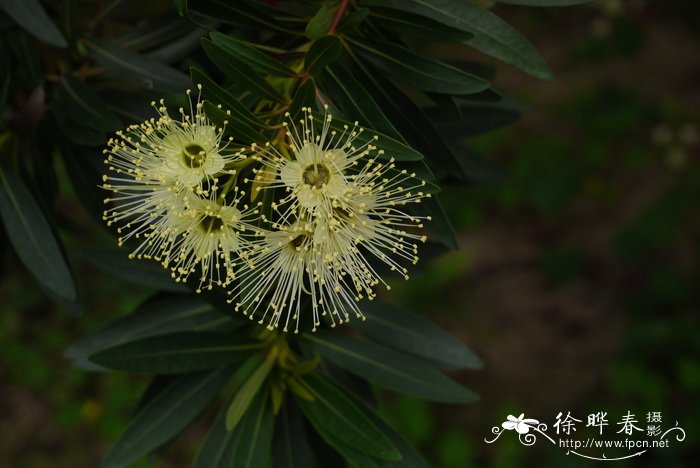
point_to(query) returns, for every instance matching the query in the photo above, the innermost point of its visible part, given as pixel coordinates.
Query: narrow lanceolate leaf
(418, 26)
(87, 107)
(155, 317)
(411, 333)
(122, 64)
(257, 59)
(388, 368)
(290, 445)
(247, 446)
(165, 416)
(392, 148)
(320, 22)
(423, 73)
(240, 72)
(33, 18)
(354, 100)
(218, 95)
(32, 236)
(410, 458)
(176, 353)
(142, 272)
(545, 3)
(321, 53)
(333, 413)
(245, 394)
(304, 96)
(492, 35)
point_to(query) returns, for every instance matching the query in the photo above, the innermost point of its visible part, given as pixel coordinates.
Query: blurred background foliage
(576, 281)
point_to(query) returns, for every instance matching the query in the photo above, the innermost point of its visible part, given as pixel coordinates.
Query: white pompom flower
(354, 206)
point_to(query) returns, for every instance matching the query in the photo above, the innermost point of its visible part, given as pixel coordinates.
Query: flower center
(316, 175)
(193, 155)
(211, 223)
(297, 241)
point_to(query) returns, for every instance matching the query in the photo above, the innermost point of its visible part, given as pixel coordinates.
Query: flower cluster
(340, 212)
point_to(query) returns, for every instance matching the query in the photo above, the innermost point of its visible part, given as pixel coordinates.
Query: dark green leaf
(492, 35)
(353, 457)
(219, 95)
(321, 22)
(291, 447)
(334, 413)
(240, 72)
(153, 33)
(408, 118)
(154, 317)
(247, 391)
(321, 53)
(352, 20)
(545, 3)
(354, 100)
(32, 236)
(247, 446)
(32, 17)
(129, 66)
(388, 368)
(241, 133)
(392, 148)
(423, 73)
(239, 13)
(259, 61)
(304, 96)
(165, 416)
(476, 119)
(413, 334)
(176, 353)
(418, 26)
(439, 225)
(179, 49)
(142, 272)
(87, 107)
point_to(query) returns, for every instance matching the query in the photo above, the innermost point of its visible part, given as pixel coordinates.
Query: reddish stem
(338, 15)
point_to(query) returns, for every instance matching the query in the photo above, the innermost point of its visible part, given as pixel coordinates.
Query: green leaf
(391, 147)
(439, 225)
(242, 135)
(388, 368)
(290, 445)
(423, 73)
(411, 333)
(353, 457)
(248, 446)
(240, 13)
(31, 16)
(321, 53)
(334, 413)
(418, 26)
(159, 316)
(240, 72)
(354, 100)
(304, 96)
(176, 353)
(408, 118)
(545, 3)
(129, 66)
(246, 52)
(32, 237)
(245, 394)
(492, 35)
(142, 272)
(153, 33)
(87, 107)
(410, 458)
(477, 119)
(165, 416)
(321, 22)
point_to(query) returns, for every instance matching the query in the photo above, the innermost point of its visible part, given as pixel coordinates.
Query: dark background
(576, 281)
